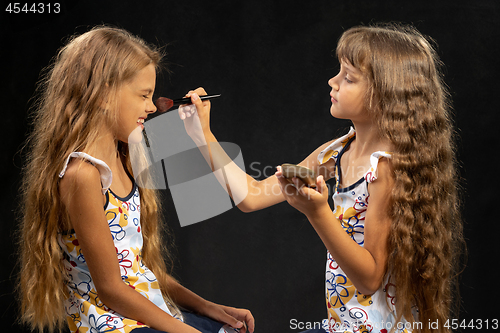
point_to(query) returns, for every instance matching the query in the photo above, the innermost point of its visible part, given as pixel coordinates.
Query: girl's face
(135, 102)
(348, 93)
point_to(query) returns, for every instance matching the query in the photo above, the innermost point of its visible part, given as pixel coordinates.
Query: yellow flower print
(91, 298)
(329, 154)
(345, 214)
(131, 324)
(71, 242)
(363, 299)
(75, 323)
(363, 329)
(143, 286)
(136, 266)
(333, 317)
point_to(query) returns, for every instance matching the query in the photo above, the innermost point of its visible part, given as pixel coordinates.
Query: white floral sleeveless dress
(85, 311)
(348, 309)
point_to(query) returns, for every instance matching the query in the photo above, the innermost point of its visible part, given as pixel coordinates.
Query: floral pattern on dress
(85, 311)
(348, 309)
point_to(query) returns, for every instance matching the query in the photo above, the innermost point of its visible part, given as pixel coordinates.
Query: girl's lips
(333, 99)
(140, 122)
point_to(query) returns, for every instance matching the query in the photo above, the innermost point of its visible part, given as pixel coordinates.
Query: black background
(271, 60)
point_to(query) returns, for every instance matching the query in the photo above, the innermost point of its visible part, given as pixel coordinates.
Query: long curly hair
(409, 101)
(70, 115)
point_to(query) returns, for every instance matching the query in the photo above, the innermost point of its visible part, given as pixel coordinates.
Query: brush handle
(187, 100)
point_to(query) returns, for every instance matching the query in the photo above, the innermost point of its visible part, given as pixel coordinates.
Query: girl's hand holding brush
(163, 104)
(196, 116)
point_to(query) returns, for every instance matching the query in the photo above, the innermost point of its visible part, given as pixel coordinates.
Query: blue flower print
(339, 289)
(104, 323)
(116, 229)
(355, 228)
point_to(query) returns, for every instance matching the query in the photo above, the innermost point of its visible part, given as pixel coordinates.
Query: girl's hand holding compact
(307, 200)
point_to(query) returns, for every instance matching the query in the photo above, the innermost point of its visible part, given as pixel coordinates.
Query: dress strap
(371, 175)
(104, 170)
(333, 150)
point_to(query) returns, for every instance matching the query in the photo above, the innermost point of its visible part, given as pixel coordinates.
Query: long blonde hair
(85, 74)
(409, 100)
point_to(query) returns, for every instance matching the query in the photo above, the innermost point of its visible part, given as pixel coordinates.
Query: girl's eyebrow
(351, 70)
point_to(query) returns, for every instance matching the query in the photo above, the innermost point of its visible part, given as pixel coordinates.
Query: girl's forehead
(347, 66)
(144, 77)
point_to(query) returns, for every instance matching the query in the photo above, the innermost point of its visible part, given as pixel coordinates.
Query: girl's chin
(136, 135)
(334, 112)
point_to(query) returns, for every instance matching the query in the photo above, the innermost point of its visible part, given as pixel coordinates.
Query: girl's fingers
(230, 320)
(186, 111)
(321, 185)
(299, 185)
(279, 172)
(190, 92)
(288, 188)
(198, 104)
(243, 317)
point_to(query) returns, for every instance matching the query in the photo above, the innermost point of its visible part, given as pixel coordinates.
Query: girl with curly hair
(395, 231)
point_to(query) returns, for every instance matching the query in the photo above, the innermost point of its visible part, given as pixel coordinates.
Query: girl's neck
(368, 139)
(106, 150)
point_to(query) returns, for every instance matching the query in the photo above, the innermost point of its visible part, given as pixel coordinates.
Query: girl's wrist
(203, 308)
(319, 214)
(202, 138)
(209, 136)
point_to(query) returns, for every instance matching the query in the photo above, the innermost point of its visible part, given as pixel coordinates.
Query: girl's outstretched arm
(364, 265)
(248, 193)
(81, 194)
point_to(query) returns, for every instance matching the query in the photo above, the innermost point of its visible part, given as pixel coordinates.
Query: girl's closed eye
(347, 79)
(146, 93)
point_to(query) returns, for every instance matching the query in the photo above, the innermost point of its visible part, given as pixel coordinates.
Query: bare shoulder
(80, 180)
(382, 187)
(384, 170)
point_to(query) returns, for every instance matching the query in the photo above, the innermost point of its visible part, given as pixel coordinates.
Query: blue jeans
(202, 324)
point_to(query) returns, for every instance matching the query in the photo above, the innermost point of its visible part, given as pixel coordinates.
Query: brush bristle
(163, 104)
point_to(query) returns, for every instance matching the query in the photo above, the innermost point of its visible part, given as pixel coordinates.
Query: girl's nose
(333, 83)
(151, 107)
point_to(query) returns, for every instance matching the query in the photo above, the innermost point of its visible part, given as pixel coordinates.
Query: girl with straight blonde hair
(395, 234)
(91, 253)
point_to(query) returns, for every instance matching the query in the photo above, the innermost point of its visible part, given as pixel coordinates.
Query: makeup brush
(164, 104)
